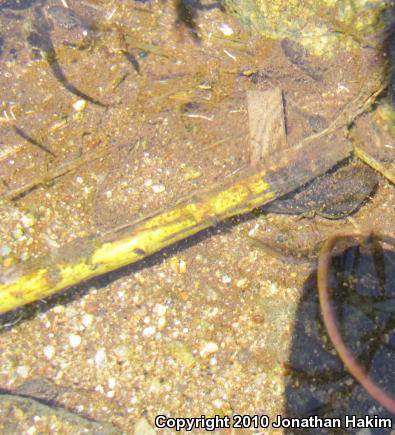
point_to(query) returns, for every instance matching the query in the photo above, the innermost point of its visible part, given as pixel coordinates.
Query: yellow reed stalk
(97, 255)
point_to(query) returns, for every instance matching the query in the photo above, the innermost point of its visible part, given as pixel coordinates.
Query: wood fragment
(267, 124)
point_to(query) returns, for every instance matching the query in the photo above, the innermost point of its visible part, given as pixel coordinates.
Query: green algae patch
(323, 27)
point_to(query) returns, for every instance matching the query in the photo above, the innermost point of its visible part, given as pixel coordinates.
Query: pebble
(160, 310)
(158, 188)
(217, 403)
(87, 320)
(209, 348)
(23, 371)
(111, 383)
(101, 357)
(74, 340)
(4, 250)
(213, 361)
(79, 105)
(226, 279)
(192, 174)
(226, 30)
(122, 351)
(155, 386)
(149, 331)
(28, 220)
(58, 309)
(49, 351)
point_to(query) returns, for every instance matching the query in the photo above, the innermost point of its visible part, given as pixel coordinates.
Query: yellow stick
(90, 257)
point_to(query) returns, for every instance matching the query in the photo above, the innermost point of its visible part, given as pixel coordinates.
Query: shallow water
(210, 326)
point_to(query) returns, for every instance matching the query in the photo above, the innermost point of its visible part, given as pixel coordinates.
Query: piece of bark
(267, 124)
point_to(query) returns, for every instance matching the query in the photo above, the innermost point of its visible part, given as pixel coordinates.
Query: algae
(322, 27)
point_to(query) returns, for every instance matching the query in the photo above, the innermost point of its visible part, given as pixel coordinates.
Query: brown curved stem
(332, 327)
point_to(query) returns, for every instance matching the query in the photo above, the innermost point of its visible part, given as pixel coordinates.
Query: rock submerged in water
(321, 29)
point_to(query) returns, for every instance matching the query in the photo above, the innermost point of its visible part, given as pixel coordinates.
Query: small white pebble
(226, 279)
(111, 383)
(158, 188)
(160, 310)
(217, 403)
(23, 371)
(149, 331)
(108, 194)
(79, 179)
(87, 320)
(122, 351)
(4, 250)
(27, 220)
(148, 182)
(209, 348)
(226, 30)
(79, 105)
(58, 309)
(342, 88)
(74, 340)
(49, 351)
(273, 289)
(100, 357)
